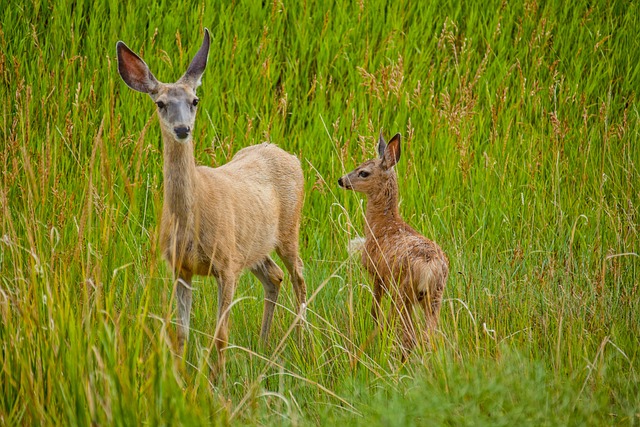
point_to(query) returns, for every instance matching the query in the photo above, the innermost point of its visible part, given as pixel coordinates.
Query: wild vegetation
(520, 128)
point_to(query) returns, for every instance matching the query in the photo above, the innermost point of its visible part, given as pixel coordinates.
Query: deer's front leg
(184, 299)
(226, 290)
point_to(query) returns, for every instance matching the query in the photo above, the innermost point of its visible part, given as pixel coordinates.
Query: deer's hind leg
(289, 255)
(270, 275)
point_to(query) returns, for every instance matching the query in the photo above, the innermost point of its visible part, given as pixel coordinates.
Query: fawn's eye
(161, 105)
(195, 102)
(363, 174)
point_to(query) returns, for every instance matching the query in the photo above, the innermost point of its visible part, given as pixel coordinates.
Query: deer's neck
(179, 178)
(382, 209)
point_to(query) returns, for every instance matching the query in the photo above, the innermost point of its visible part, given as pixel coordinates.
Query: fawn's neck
(179, 178)
(382, 208)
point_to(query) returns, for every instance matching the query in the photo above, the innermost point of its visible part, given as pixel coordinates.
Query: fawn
(219, 221)
(409, 267)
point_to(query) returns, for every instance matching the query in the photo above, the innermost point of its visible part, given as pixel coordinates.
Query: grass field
(521, 158)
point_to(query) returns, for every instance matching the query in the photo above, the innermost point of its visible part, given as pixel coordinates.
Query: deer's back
(270, 175)
(247, 205)
(271, 162)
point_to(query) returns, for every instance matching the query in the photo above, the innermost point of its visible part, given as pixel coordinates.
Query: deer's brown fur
(219, 221)
(412, 269)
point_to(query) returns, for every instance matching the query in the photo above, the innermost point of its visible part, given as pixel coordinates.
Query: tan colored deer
(219, 221)
(408, 266)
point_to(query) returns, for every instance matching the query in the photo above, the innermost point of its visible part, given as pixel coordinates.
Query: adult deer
(405, 264)
(219, 221)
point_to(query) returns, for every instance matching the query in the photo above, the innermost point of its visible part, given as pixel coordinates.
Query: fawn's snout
(345, 183)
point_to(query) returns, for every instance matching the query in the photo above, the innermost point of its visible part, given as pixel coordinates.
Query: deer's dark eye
(195, 102)
(161, 105)
(363, 174)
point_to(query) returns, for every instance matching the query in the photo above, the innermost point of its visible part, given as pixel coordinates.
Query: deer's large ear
(193, 76)
(392, 152)
(382, 145)
(134, 71)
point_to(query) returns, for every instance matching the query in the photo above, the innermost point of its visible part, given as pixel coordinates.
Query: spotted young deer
(409, 267)
(219, 221)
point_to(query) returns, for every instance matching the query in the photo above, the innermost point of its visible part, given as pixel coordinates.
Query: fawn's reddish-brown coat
(409, 267)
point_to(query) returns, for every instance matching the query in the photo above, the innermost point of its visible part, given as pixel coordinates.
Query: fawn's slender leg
(431, 305)
(184, 299)
(376, 306)
(270, 275)
(406, 327)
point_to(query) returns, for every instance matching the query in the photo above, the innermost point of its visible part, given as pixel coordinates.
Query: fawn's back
(404, 260)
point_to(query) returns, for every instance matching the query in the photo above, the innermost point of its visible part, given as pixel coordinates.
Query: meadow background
(520, 128)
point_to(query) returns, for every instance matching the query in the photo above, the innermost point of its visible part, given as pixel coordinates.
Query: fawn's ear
(193, 76)
(392, 152)
(382, 145)
(134, 71)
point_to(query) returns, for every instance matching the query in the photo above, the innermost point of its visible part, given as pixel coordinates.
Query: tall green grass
(520, 129)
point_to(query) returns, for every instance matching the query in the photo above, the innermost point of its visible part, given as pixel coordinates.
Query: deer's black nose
(182, 131)
(340, 182)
